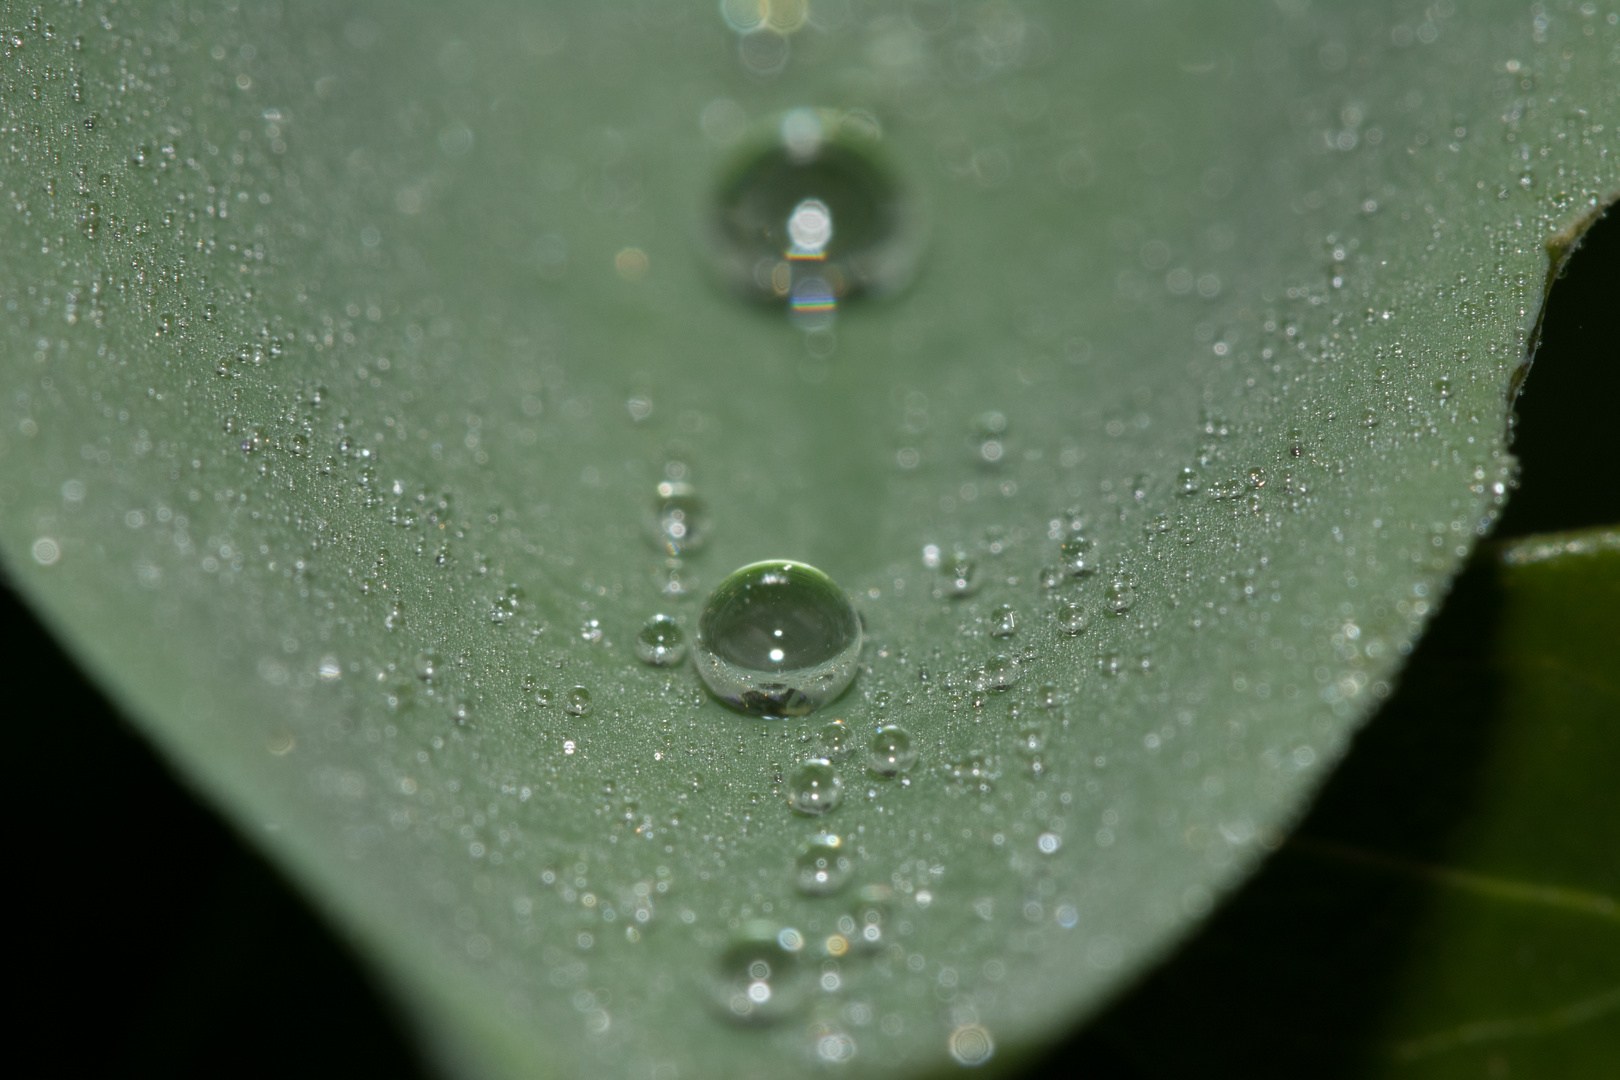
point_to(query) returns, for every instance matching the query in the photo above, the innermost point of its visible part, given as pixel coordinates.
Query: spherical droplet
(890, 752)
(815, 787)
(1186, 481)
(1003, 622)
(824, 866)
(1077, 557)
(1072, 619)
(661, 642)
(812, 208)
(578, 702)
(999, 673)
(1119, 596)
(679, 523)
(778, 638)
(836, 741)
(758, 978)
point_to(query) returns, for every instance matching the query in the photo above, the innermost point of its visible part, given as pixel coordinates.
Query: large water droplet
(824, 866)
(779, 639)
(578, 702)
(811, 215)
(758, 978)
(891, 752)
(661, 642)
(1003, 622)
(815, 787)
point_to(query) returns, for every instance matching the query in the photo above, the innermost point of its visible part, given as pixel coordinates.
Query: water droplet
(661, 642)
(1077, 556)
(868, 922)
(758, 978)
(815, 787)
(891, 752)
(679, 523)
(961, 576)
(824, 866)
(812, 215)
(427, 666)
(1119, 596)
(1186, 481)
(837, 742)
(999, 673)
(1050, 577)
(779, 639)
(971, 1045)
(1003, 622)
(1072, 619)
(579, 702)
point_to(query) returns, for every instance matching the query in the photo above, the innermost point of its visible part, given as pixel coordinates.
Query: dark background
(149, 940)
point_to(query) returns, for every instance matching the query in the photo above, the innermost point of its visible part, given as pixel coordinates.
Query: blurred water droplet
(815, 787)
(812, 215)
(961, 575)
(757, 978)
(891, 752)
(1077, 555)
(1186, 481)
(680, 522)
(661, 642)
(427, 666)
(823, 867)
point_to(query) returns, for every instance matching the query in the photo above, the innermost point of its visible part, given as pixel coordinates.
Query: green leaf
(320, 334)
(1450, 906)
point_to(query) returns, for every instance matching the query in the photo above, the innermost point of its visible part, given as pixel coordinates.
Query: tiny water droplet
(1072, 619)
(1003, 622)
(891, 751)
(824, 866)
(579, 702)
(778, 638)
(815, 787)
(1050, 577)
(661, 642)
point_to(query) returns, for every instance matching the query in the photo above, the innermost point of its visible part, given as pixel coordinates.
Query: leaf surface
(345, 348)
